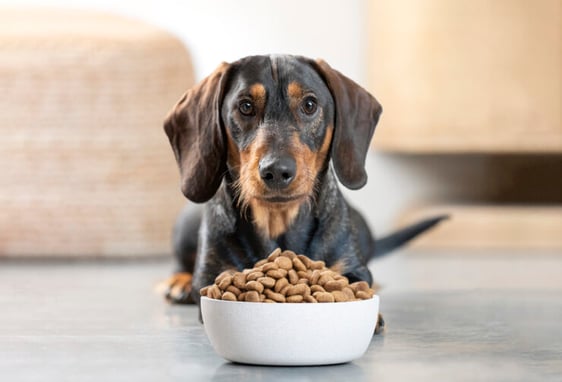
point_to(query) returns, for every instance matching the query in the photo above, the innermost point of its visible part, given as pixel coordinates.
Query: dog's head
(272, 123)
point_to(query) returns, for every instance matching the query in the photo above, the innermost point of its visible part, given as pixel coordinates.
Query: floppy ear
(357, 113)
(194, 129)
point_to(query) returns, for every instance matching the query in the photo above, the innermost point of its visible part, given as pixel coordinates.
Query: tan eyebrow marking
(295, 90)
(258, 93)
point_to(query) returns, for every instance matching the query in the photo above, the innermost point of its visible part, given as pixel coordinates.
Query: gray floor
(488, 317)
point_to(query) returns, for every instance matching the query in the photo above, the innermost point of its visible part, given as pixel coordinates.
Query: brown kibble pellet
(339, 296)
(254, 275)
(305, 260)
(239, 280)
(255, 286)
(317, 265)
(277, 297)
(317, 288)
(349, 293)
(203, 291)
(214, 292)
(325, 278)
(284, 262)
(360, 286)
(267, 282)
(268, 300)
(342, 281)
(280, 284)
(295, 298)
(303, 281)
(252, 296)
(225, 282)
(260, 263)
(277, 273)
(304, 274)
(309, 298)
(333, 285)
(222, 275)
(298, 264)
(274, 254)
(362, 295)
(290, 254)
(229, 296)
(297, 289)
(242, 296)
(285, 289)
(314, 277)
(292, 275)
(234, 290)
(324, 297)
(269, 266)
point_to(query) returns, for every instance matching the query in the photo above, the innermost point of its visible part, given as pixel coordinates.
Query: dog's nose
(277, 172)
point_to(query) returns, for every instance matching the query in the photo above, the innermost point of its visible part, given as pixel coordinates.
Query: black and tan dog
(255, 140)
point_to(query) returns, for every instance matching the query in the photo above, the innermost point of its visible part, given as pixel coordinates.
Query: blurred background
(472, 125)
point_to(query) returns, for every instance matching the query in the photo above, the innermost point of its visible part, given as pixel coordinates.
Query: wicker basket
(85, 167)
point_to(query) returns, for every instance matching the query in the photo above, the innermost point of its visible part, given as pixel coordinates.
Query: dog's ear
(194, 129)
(356, 115)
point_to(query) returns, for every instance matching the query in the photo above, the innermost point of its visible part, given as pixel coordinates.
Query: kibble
(254, 275)
(284, 263)
(229, 296)
(239, 280)
(285, 277)
(225, 282)
(292, 275)
(277, 273)
(295, 298)
(267, 282)
(252, 296)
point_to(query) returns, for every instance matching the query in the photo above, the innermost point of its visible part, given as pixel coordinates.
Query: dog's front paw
(177, 289)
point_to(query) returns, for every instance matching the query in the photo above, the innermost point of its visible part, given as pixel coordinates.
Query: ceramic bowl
(290, 334)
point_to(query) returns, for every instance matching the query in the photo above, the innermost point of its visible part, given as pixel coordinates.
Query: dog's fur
(255, 140)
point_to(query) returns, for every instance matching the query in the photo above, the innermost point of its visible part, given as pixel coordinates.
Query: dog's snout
(277, 172)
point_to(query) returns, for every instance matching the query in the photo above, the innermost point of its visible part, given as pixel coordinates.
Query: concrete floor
(488, 317)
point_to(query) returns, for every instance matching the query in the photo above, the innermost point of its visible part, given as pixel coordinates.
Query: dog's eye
(309, 105)
(246, 108)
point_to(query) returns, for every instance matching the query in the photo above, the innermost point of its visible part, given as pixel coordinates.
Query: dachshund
(262, 142)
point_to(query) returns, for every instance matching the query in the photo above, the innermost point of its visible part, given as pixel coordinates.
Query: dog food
(286, 277)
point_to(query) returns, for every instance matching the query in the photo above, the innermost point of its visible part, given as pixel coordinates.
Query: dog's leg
(379, 328)
(177, 288)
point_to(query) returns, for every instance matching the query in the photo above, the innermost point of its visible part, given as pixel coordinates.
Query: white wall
(225, 30)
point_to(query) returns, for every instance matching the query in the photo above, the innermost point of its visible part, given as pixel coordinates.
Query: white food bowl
(290, 334)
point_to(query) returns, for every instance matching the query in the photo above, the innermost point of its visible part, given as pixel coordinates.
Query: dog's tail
(395, 240)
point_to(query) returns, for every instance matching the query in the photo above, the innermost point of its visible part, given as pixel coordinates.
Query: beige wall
(468, 76)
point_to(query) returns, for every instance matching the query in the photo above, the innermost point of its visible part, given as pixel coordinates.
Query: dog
(262, 142)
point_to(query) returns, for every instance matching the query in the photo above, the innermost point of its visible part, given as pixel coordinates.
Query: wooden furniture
(85, 166)
(475, 77)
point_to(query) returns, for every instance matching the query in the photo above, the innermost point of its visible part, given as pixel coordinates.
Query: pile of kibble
(287, 277)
